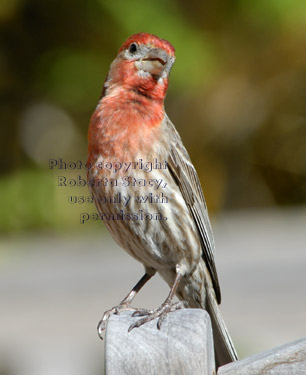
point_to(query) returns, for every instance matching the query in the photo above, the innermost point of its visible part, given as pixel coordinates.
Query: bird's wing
(185, 176)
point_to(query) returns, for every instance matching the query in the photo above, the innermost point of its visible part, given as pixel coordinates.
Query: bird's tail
(200, 295)
(224, 348)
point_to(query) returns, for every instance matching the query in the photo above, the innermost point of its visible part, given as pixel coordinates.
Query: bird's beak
(154, 62)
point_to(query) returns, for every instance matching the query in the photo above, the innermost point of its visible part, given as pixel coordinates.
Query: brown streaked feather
(185, 176)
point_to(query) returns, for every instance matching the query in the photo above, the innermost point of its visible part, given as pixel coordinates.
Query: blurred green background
(237, 96)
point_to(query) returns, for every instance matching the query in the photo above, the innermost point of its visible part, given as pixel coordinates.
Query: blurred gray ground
(53, 291)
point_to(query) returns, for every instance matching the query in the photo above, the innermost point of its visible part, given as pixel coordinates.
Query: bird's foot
(160, 313)
(115, 310)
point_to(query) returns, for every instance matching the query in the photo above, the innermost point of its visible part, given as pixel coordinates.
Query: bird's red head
(143, 63)
(149, 40)
(132, 103)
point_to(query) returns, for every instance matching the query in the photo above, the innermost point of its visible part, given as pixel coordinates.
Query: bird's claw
(115, 310)
(142, 312)
(160, 313)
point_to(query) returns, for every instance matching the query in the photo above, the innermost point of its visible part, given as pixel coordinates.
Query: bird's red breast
(122, 127)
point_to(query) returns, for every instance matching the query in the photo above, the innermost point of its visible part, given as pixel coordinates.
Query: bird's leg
(162, 311)
(123, 305)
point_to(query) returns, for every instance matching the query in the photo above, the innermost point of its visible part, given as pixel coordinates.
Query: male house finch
(173, 238)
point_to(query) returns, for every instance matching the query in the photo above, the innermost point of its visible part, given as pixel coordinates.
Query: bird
(171, 236)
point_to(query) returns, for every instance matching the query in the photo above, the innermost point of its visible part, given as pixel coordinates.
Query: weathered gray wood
(289, 359)
(184, 345)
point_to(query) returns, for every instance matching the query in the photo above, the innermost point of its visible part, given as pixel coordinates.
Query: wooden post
(183, 345)
(289, 359)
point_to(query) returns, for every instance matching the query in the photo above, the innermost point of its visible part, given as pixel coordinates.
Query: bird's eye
(133, 48)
